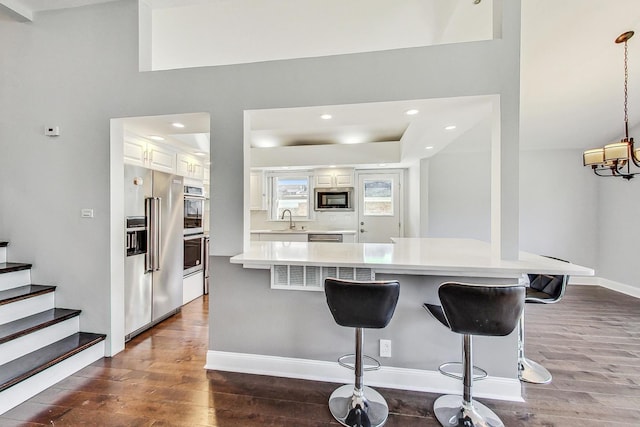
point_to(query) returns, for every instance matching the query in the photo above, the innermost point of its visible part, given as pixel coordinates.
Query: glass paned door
(378, 207)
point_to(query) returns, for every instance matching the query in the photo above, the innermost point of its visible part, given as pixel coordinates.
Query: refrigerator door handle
(148, 257)
(158, 228)
(153, 251)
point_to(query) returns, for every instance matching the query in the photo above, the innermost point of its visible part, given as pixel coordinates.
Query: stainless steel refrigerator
(154, 211)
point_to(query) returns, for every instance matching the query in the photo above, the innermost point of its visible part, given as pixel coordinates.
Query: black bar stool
(543, 289)
(471, 309)
(360, 305)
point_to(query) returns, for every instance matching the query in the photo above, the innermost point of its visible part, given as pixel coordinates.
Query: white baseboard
(633, 291)
(388, 377)
(15, 395)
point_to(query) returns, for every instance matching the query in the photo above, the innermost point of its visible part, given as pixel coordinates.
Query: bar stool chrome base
(533, 372)
(451, 411)
(345, 401)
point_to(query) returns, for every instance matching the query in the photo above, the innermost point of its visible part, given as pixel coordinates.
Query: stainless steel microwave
(334, 199)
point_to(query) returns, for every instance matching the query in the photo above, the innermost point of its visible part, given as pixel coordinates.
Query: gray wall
(618, 211)
(459, 187)
(559, 205)
(78, 69)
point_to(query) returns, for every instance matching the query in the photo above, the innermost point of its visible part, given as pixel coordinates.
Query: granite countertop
(431, 256)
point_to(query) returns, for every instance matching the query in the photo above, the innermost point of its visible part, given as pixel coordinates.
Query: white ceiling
(571, 82)
(193, 137)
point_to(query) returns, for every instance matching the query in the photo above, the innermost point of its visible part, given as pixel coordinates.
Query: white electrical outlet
(385, 348)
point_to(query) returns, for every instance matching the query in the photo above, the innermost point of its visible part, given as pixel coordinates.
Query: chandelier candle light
(615, 159)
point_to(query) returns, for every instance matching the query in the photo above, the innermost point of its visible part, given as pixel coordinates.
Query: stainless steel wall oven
(193, 210)
(193, 253)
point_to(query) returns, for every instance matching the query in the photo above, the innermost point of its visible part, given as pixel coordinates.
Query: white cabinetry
(190, 166)
(334, 177)
(348, 238)
(192, 287)
(257, 190)
(143, 153)
(283, 237)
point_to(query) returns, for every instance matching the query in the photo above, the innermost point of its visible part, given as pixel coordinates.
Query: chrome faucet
(291, 224)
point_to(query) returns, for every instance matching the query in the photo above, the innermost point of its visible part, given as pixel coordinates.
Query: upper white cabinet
(161, 159)
(342, 177)
(258, 200)
(190, 166)
(143, 153)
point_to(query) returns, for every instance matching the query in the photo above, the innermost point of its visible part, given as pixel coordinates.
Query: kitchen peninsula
(295, 335)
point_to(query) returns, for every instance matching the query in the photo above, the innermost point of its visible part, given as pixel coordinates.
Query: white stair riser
(3, 254)
(31, 342)
(26, 307)
(15, 279)
(13, 396)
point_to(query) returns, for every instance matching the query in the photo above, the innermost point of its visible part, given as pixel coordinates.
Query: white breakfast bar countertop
(430, 256)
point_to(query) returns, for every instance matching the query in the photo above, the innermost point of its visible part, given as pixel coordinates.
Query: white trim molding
(630, 290)
(387, 377)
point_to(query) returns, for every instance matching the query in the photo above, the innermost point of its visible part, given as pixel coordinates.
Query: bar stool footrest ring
(446, 369)
(374, 366)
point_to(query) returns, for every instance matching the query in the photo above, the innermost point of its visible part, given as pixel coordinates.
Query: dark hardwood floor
(590, 341)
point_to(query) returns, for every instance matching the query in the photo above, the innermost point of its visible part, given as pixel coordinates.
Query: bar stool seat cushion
(480, 309)
(545, 288)
(362, 304)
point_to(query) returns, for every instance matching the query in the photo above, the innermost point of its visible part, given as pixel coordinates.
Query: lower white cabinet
(192, 287)
(294, 237)
(348, 238)
(283, 237)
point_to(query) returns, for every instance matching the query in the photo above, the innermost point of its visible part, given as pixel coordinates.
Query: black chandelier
(615, 159)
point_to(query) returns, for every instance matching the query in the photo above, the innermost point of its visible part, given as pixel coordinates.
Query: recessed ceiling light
(326, 116)
(450, 127)
(429, 147)
(177, 125)
(382, 164)
(200, 153)
(411, 112)
(156, 138)
(332, 166)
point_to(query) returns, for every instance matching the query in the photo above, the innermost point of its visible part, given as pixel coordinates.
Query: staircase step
(37, 361)
(13, 274)
(21, 327)
(4, 244)
(3, 251)
(10, 267)
(23, 292)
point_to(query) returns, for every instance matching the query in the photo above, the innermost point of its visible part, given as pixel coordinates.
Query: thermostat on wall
(52, 130)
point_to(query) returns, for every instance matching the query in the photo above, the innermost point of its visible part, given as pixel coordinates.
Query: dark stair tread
(24, 292)
(4, 244)
(10, 267)
(37, 361)
(26, 325)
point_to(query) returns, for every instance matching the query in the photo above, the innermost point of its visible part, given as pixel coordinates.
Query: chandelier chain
(626, 78)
